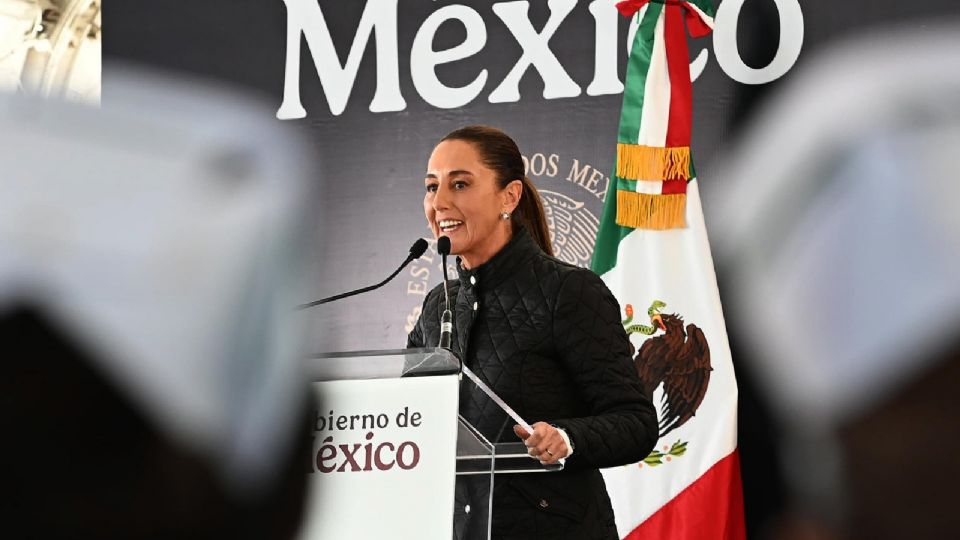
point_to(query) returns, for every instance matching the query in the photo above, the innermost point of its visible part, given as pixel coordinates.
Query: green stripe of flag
(626, 185)
(705, 6)
(636, 83)
(609, 235)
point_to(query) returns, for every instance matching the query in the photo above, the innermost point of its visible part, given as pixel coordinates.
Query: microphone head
(418, 247)
(443, 245)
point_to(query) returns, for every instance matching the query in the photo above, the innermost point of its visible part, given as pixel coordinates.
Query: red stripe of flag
(695, 24)
(674, 186)
(678, 65)
(710, 507)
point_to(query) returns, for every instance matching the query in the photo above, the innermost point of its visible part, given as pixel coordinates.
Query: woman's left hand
(545, 443)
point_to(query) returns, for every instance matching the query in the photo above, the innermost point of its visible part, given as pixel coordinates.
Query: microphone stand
(415, 252)
(446, 320)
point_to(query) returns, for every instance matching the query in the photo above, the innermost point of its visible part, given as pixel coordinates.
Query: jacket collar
(505, 263)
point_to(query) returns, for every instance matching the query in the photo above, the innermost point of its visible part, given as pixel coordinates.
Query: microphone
(446, 320)
(416, 250)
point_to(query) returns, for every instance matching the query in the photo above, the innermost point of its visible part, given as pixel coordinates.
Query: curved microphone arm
(416, 250)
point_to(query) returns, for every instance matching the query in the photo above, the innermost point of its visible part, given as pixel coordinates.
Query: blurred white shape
(841, 231)
(168, 230)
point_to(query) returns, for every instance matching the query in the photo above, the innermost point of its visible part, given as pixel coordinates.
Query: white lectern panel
(384, 459)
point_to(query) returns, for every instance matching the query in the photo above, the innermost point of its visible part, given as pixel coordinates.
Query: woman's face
(463, 202)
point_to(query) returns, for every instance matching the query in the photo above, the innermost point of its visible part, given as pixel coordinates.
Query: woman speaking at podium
(546, 336)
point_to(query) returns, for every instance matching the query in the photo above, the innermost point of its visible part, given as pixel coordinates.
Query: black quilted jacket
(546, 336)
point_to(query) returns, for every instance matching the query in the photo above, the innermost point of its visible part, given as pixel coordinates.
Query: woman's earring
(504, 216)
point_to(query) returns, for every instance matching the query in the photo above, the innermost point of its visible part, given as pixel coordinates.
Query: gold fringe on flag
(646, 211)
(639, 162)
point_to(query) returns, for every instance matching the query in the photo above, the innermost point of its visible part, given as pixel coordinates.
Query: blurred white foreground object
(840, 240)
(842, 228)
(167, 230)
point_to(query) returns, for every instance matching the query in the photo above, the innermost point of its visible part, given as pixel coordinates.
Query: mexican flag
(652, 252)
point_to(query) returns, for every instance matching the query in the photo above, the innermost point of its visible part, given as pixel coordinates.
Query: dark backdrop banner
(379, 55)
(375, 84)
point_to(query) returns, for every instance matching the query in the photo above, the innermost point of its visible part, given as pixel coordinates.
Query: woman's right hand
(545, 443)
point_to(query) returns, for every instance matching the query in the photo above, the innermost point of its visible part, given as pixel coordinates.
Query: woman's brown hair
(500, 153)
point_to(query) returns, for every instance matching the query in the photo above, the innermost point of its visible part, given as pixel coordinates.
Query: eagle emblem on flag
(678, 358)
